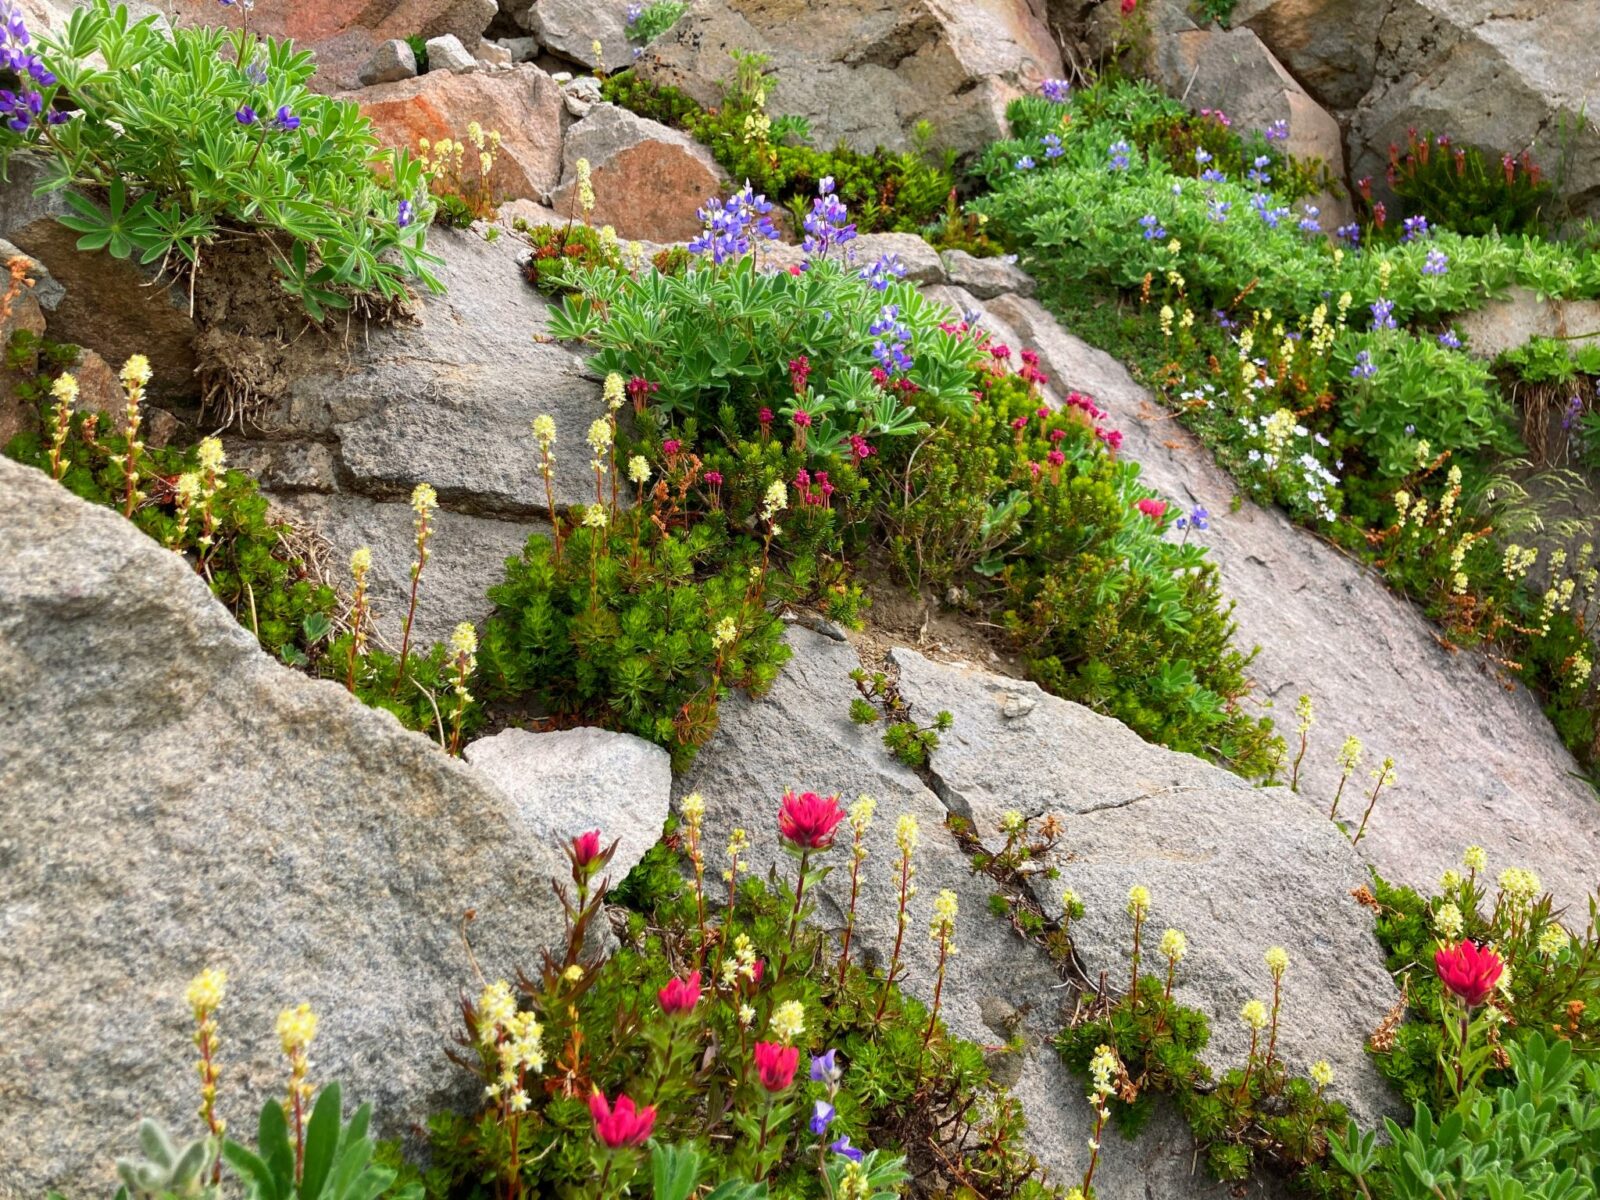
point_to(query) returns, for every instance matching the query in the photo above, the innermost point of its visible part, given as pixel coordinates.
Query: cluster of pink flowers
(670, 447)
(860, 448)
(1154, 509)
(799, 372)
(898, 383)
(813, 487)
(1086, 405)
(1029, 370)
(640, 390)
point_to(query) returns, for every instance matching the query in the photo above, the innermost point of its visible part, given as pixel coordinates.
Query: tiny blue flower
(843, 1146)
(286, 120)
(246, 115)
(1449, 340)
(1025, 163)
(1365, 368)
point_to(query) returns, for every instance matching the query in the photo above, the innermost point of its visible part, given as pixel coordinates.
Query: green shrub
(885, 191)
(176, 140)
(647, 22)
(1462, 188)
(217, 519)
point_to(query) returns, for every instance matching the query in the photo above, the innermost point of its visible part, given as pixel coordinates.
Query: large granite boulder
(1133, 813)
(176, 799)
(571, 29)
(868, 73)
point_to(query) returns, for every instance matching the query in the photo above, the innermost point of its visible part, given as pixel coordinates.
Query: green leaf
(322, 1139)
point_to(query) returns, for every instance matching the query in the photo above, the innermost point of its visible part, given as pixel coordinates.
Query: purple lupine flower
(634, 12)
(1201, 156)
(1052, 145)
(286, 120)
(1212, 175)
(1198, 519)
(404, 215)
(1119, 151)
(1382, 314)
(1258, 171)
(1365, 368)
(728, 225)
(843, 1146)
(1350, 233)
(828, 223)
(1569, 418)
(825, 1067)
(1413, 228)
(892, 335)
(1278, 131)
(256, 73)
(822, 1115)
(1056, 90)
(1437, 262)
(1311, 223)
(1218, 210)
(246, 115)
(21, 108)
(1026, 163)
(1152, 227)
(878, 275)
(1449, 340)
(1271, 216)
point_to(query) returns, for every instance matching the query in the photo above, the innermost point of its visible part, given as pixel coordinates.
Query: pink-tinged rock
(344, 33)
(522, 103)
(649, 180)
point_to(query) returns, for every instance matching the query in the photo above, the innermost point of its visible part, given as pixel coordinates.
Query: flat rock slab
(449, 399)
(808, 743)
(1478, 761)
(572, 780)
(175, 799)
(1236, 868)
(466, 557)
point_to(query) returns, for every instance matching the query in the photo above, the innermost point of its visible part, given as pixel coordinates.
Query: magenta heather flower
(671, 446)
(860, 448)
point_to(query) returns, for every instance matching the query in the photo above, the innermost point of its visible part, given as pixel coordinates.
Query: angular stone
(1508, 323)
(391, 62)
(573, 780)
(493, 53)
(285, 466)
(450, 398)
(649, 180)
(1370, 661)
(523, 49)
(1330, 46)
(920, 260)
(344, 33)
(569, 29)
(1233, 71)
(1006, 750)
(986, 277)
(522, 104)
(110, 304)
(868, 74)
(447, 53)
(581, 94)
(466, 557)
(175, 799)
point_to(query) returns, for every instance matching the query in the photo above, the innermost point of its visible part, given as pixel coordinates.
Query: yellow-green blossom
(639, 469)
(1448, 922)
(1553, 940)
(1321, 1073)
(544, 431)
(1475, 858)
(1277, 959)
(1138, 902)
(205, 991)
(943, 926)
(1174, 945)
(296, 1027)
(1254, 1014)
(613, 392)
(788, 1021)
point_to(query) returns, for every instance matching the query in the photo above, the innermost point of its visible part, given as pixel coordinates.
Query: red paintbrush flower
(623, 1125)
(1469, 971)
(680, 996)
(776, 1064)
(808, 820)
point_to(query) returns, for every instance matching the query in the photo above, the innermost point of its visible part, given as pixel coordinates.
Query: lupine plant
(747, 1040)
(164, 142)
(1319, 368)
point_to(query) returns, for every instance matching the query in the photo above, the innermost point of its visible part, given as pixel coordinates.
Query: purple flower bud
(286, 120)
(246, 115)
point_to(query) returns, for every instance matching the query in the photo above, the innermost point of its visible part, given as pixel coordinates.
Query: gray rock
(868, 74)
(1478, 761)
(449, 400)
(466, 557)
(569, 29)
(391, 62)
(920, 260)
(649, 180)
(572, 780)
(1136, 813)
(1005, 750)
(285, 466)
(523, 49)
(493, 54)
(446, 53)
(1330, 46)
(986, 277)
(1508, 323)
(176, 799)
(809, 743)
(581, 94)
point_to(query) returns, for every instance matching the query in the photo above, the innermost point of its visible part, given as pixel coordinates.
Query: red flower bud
(680, 996)
(623, 1125)
(1468, 971)
(776, 1063)
(808, 820)
(586, 847)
